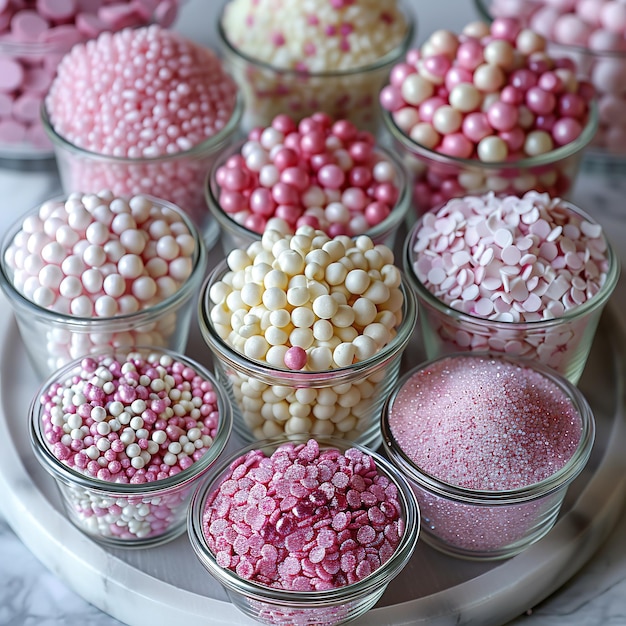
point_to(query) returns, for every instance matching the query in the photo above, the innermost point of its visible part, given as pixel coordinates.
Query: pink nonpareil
(156, 125)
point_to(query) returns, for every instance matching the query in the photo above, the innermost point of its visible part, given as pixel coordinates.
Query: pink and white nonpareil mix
(34, 35)
(302, 57)
(320, 172)
(593, 33)
(303, 518)
(141, 111)
(491, 95)
(511, 274)
(102, 270)
(132, 420)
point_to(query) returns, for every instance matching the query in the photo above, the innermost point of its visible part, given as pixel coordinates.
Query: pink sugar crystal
(485, 423)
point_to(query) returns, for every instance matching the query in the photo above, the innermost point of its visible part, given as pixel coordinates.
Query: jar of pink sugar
(152, 127)
(85, 272)
(593, 35)
(328, 174)
(488, 109)
(490, 444)
(298, 58)
(34, 37)
(525, 276)
(127, 434)
(304, 339)
(326, 556)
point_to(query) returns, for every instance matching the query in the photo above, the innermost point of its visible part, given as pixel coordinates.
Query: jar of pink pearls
(320, 172)
(488, 110)
(593, 34)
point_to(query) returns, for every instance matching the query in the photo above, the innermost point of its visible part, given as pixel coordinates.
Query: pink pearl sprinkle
(295, 358)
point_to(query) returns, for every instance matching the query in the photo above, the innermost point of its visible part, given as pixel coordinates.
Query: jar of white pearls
(307, 333)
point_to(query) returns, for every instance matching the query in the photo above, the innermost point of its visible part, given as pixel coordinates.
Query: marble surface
(31, 594)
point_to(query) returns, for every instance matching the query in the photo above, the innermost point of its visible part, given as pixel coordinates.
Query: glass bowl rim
(210, 145)
(398, 211)
(263, 370)
(185, 290)
(596, 301)
(553, 156)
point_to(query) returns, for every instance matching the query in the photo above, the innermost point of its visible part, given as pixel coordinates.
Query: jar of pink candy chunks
(127, 434)
(327, 525)
(488, 110)
(34, 36)
(490, 445)
(301, 57)
(326, 173)
(525, 276)
(89, 271)
(593, 34)
(152, 122)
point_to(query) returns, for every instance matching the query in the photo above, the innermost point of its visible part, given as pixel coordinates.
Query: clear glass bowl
(235, 235)
(52, 339)
(481, 524)
(343, 94)
(562, 343)
(344, 402)
(438, 177)
(127, 515)
(602, 68)
(319, 608)
(178, 178)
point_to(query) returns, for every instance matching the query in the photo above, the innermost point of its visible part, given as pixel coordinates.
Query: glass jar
(484, 524)
(323, 607)
(562, 342)
(344, 402)
(52, 339)
(131, 514)
(350, 93)
(236, 235)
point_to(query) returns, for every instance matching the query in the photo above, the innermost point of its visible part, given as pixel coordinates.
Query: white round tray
(165, 585)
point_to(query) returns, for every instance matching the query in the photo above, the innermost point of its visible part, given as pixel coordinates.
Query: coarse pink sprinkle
(484, 423)
(332, 533)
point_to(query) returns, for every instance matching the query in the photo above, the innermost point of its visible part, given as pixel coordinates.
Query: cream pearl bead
(425, 135)
(415, 89)
(492, 149)
(465, 97)
(538, 142)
